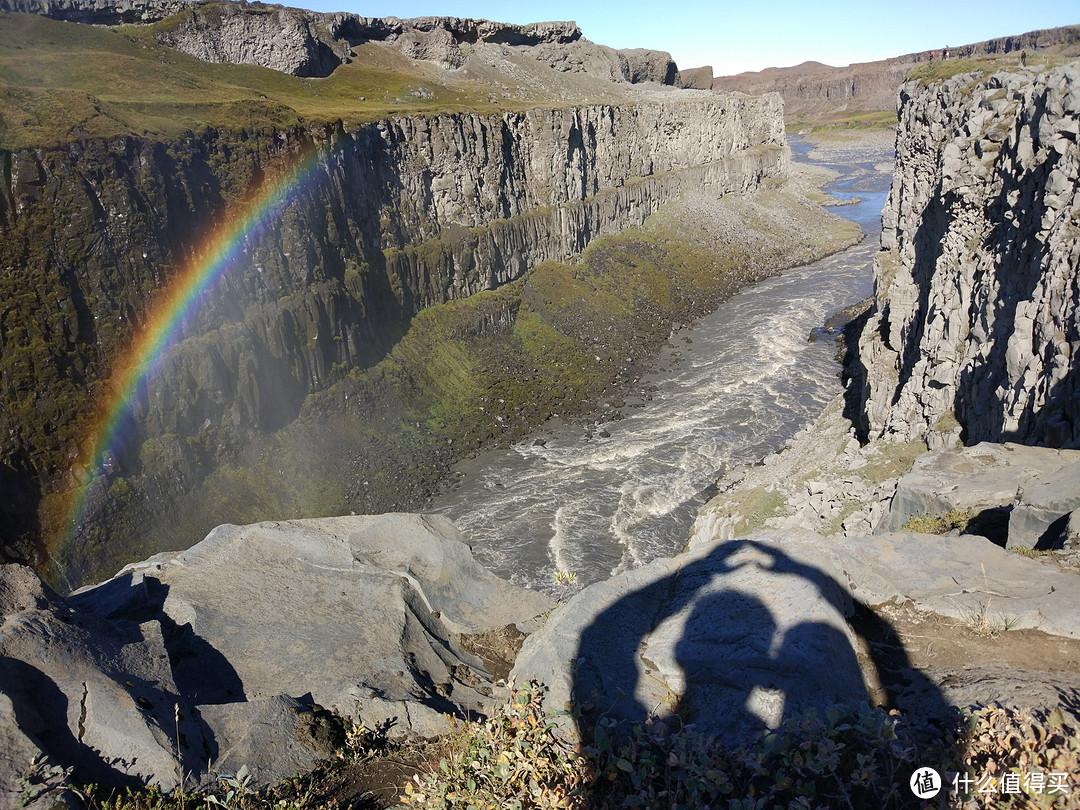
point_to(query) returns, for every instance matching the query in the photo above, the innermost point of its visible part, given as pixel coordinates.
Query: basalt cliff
(976, 325)
(389, 213)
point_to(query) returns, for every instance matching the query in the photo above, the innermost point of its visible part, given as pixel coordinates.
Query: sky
(751, 34)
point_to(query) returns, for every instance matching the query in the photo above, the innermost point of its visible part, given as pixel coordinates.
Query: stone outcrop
(1019, 496)
(99, 12)
(312, 44)
(695, 78)
(290, 40)
(976, 329)
(247, 631)
(94, 695)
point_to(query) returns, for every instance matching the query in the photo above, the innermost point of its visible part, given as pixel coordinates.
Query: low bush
(957, 519)
(996, 758)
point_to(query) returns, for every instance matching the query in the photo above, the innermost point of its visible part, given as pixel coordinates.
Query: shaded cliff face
(976, 327)
(398, 215)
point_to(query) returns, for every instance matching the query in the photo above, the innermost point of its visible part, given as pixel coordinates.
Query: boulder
(94, 695)
(357, 614)
(1027, 491)
(234, 647)
(646, 65)
(965, 577)
(732, 638)
(695, 78)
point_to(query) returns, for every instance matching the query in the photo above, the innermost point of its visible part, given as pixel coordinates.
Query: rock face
(90, 694)
(245, 631)
(99, 12)
(976, 327)
(290, 40)
(393, 216)
(312, 44)
(696, 78)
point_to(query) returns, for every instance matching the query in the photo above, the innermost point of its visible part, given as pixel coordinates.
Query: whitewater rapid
(595, 499)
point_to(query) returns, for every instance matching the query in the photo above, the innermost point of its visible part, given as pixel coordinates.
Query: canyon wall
(396, 215)
(975, 332)
(313, 44)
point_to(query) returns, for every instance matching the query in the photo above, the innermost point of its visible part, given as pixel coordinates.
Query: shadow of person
(738, 690)
(606, 668)
(735, 641)
(41, 712)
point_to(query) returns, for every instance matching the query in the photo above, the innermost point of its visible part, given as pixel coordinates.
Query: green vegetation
(892, 460)
(754, 506)
(520, 758)
(839, 123)
(954, 519)
(939, 70)
(947, 422)
(1031, 553)
(61, 81)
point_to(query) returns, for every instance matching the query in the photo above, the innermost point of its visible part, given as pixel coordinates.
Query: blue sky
(753, 34)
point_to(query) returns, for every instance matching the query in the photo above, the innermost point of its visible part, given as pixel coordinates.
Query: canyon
(442, 235)
(394, 215)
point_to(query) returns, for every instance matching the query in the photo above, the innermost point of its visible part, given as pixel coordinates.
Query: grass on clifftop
(938, 70)
(60, 81)
(843, 122)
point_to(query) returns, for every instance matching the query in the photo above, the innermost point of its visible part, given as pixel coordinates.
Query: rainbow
(167, 314)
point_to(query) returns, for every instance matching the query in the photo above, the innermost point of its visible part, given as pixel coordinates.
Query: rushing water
(596, 499)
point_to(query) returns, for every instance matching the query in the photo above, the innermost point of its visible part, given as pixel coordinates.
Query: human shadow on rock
(202, 674)
(41, 712)
(744, 669)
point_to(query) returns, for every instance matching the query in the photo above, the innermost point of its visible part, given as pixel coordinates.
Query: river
(594, 499)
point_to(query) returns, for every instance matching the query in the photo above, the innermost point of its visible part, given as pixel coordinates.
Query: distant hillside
(817, 93)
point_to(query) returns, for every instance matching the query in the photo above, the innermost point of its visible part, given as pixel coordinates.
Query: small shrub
(838, 757)
(957, 519)
(1021, 758)
(1032, 553)
(517, 758)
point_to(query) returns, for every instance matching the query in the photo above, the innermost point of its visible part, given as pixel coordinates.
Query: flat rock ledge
(737, 635)
(241, 646)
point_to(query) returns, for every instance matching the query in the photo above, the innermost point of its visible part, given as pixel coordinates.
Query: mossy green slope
(563, 339)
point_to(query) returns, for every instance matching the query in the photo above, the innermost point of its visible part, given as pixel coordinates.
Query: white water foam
(733, 388)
